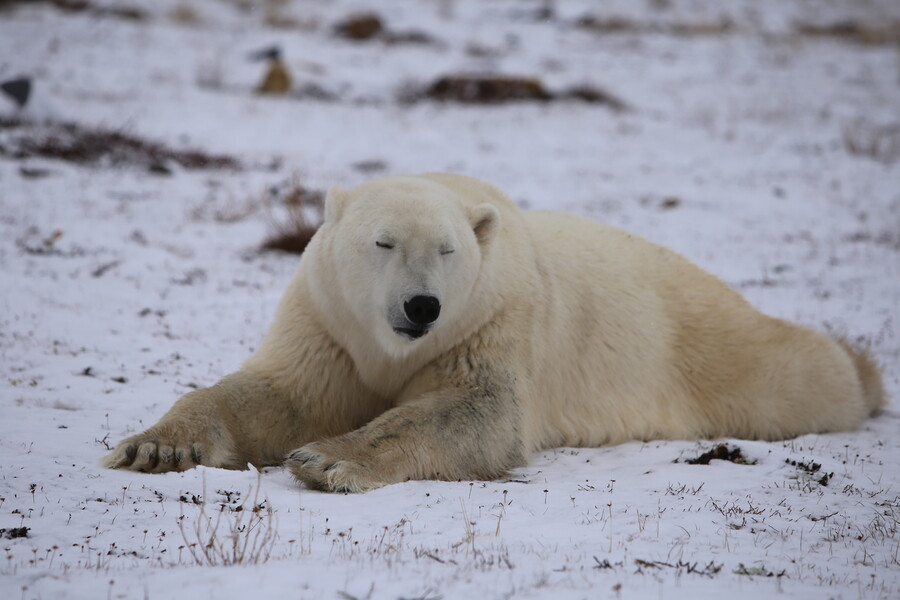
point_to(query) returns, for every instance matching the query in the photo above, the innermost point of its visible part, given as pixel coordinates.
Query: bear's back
(611, 312)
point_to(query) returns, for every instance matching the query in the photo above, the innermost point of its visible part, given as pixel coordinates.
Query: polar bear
(433, 330)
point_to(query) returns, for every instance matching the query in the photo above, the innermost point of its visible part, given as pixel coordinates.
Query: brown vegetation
(84, 145)
(854, 31)
(500, 89)
(721, 452)
(359, 27)
(303, 208)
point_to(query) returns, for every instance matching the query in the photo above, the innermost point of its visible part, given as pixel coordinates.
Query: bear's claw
(154, 456)
(323, 470)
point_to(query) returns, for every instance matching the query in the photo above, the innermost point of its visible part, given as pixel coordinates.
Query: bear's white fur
(538, 330)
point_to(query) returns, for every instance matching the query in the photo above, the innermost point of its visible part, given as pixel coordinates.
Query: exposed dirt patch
(487, 89)
(812, 469)
(82, 145)
(502, 89)
(868, 34)
(128, 13)
(621, 25)
(670, 202)
(14, 532)
(808, 467)
(359, 27)
(366, 27)
(721, 452)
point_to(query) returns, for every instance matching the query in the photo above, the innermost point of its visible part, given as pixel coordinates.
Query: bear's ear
(485, 222)
(335, 200)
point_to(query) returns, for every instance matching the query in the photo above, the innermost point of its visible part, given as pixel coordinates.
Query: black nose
(422, 310)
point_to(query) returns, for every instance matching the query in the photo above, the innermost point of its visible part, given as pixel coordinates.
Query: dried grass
(236, 535)
(477, 88)
(85, 145)
(867, 34)
(301, 214)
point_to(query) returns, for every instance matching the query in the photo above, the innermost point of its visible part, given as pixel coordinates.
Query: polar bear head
(402, 255)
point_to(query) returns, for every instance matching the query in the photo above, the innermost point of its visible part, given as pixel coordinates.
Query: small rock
(487, 89)
(360, 27)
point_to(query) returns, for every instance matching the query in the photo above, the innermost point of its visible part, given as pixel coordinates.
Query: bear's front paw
(322, 465)
(149, 454)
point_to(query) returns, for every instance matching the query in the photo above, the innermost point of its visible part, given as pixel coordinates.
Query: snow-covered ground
(761, 139)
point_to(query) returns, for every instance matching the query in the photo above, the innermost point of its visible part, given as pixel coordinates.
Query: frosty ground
(760, 139)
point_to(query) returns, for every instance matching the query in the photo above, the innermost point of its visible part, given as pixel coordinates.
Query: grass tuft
(237, 535)
(301, 210)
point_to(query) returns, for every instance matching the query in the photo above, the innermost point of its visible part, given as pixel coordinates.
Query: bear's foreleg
(460, 433)
(213, 427)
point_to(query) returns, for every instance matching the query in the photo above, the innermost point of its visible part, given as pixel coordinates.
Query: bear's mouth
(411, 333)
